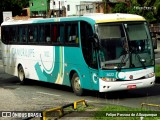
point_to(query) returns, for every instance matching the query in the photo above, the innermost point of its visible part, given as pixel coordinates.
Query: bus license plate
(131, 86)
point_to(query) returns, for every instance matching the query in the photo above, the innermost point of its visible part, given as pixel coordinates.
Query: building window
(31, 4)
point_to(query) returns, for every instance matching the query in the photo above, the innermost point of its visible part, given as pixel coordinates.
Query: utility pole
(59, 8)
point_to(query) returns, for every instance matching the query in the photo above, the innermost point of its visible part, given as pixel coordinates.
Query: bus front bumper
(105, 86)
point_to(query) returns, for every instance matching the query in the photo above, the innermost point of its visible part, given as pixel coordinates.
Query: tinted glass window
(45, 34)
(33, 33)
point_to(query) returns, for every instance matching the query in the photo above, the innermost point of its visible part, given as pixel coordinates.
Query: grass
(157, 69)
(112, 112)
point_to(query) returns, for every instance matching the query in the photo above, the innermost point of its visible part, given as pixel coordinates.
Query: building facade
(59, 8)
(38, 8)
(56, 8)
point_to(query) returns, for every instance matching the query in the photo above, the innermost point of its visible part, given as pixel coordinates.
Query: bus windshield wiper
(122, 61)
(124, 53)
(142, 61)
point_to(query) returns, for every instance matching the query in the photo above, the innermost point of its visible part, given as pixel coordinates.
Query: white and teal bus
(102, 52)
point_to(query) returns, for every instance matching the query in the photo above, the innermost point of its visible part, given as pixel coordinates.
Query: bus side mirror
(94, 40)
(96, 43)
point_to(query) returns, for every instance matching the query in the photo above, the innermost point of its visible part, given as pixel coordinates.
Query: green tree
(150, 9)
(157, 10)
(105, 6)
(120, 8)
(150, 14)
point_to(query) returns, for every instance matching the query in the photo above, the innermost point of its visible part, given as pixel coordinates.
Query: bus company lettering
(110, 74)
(23, 52)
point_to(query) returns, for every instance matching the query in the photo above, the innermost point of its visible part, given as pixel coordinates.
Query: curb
(149, 104)
(61, 109)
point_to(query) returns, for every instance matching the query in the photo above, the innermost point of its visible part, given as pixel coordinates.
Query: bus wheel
(76, 85)
(21, 74)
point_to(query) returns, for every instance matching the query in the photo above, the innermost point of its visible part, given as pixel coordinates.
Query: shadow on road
(13, 83)
(138, 93)
(135, 93)
(157, 80)
(9, 83)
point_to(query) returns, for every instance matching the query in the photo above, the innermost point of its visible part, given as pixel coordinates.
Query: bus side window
(14, 34)
(41, 34)
(10, 34)
(32, 32)
(5, 36)
(72, 33)
(47, 34)
(54, 33)
(25, 34)
(62, 33)
(35, 34)
(58, 34)
(20, 33)
(87, 46)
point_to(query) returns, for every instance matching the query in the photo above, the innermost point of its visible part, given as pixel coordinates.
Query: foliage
(157, 10)
(140, 7)
(157, 70)
(120, 8)
(150, 16)
(134, 9)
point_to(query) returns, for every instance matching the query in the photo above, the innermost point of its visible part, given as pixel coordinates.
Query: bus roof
(116, 17)
(94, 18)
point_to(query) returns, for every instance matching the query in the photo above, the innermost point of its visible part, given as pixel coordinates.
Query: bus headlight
(150, 75)
(108, 79)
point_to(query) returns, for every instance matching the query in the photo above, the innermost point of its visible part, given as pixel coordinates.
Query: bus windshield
(125, 45)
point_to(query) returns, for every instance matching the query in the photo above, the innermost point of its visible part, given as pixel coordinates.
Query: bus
(99, 52)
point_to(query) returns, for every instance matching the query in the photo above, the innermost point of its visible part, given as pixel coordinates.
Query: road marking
(157, 58)
(48, 94)
(34, 98)
(91, 101)
(1, 65)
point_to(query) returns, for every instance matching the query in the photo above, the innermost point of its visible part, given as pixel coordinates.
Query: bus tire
(21, 74)
(76, 85)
